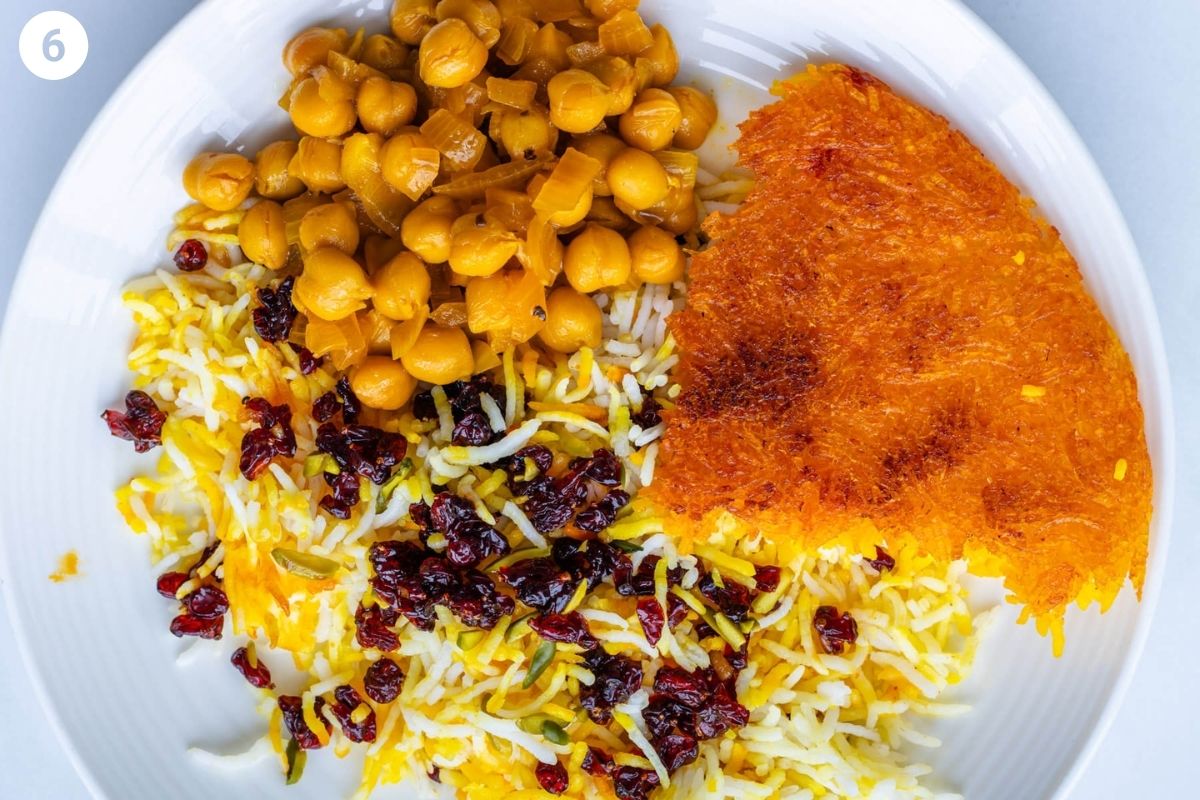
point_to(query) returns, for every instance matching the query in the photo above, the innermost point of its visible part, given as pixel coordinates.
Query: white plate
(98, 647)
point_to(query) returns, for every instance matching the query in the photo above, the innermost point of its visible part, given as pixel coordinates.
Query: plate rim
(1165, 480)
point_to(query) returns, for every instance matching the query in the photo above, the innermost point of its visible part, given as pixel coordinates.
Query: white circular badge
(53, 45)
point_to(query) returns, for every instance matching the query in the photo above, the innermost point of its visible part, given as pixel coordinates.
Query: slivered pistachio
(296, 759)
(727, 630)
(716, 578)
(403, 470)
(554, 732)
(690, 599)
(541, 660)
(518, 628)
(305, 565)
(533, 723)
(626, 546)
(468, 640)
(317, 463)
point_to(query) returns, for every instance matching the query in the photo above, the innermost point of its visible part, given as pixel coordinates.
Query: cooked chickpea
(679, 214)
(379, 382)
(652, 121)
(412, 19)
(699, 114)
(597, 258)
(549, 46)
(439, 355)
(523, 132)
(385, 106)
(310, 48)
(661, 56)
(603, 147)
(271, 177)
(578, 101)
(320, 113)
(656, 256)
(426, 229)
(220, 181)
(572, 321)
(318, 163)
(480, 15)
(637, 178)
(262, 234)
(383, 53)
(451, 54)
(332, 286)
(409, 163)
(401, 287)
(330, 225)
(477, 250)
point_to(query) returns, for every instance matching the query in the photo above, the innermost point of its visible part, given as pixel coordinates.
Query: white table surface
(1128, 76)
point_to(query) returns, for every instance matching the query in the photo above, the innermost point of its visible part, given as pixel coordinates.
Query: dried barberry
(274, 438)
(689, 688)
(476, 602)
(732, 599)
(419, 514)
(766, 579)
(836, 630)
(617, 677)
(603, 512)
(650, 614)
(634, 783)
(142, 422)
(373, 628)
(882, 561)
(540, 583)
(469, 538)
(346, 700)
(551, 777)
(207, 602)
(191, 256)
(169, 582)
(677, 610)
(326, 407)
(292, 708)
(664, 714)
(351, 405)
(568, 628)
(256, 674)
(677, 750)
(383, 681)
(188, 625)
(650, 414)
(359, 451)
(720, 713)
(590, 561)
(274, 317)
(596, 762)
(641, 583)
(516, 466)
(473, 430)
(423, 407)
(308, 362)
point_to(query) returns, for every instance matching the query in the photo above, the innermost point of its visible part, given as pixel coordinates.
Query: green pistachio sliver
(305, 565)
(626, 546)
(533, 723)
(296, 758)
(470, 639)
(554, 732)
(541, 660)
(518, 628)
(403, 470)
(716, 578)
(317, 463)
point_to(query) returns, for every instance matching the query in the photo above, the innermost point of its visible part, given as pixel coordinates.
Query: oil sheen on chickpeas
(464, 182)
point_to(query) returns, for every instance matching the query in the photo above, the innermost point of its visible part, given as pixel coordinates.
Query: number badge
(53, 45)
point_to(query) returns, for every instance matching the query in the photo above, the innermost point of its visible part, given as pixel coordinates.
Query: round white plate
(98, 646)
